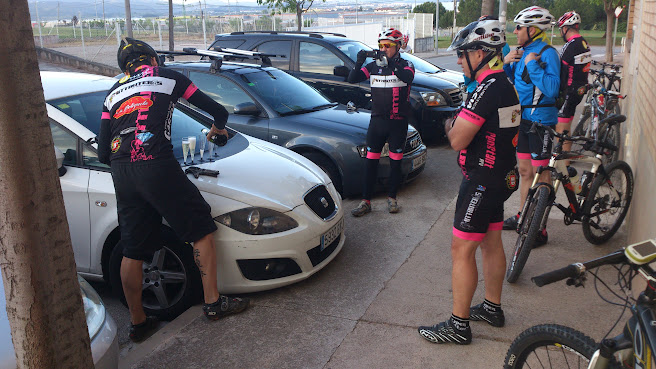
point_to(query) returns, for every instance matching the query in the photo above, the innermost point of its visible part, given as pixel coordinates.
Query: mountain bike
(557, 346)
(600, 205)
(602, 100)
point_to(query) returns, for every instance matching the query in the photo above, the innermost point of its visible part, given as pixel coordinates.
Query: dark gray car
(269, 104)
(324, 61)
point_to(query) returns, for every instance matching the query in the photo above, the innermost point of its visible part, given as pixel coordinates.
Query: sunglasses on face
(518, 27)
(461, 53)
(386, 45)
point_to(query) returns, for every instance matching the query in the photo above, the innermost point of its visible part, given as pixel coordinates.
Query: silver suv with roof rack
(324, 60)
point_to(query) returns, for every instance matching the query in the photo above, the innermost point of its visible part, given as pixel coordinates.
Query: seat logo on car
(324, 202)
(132, 104)
(414, 143)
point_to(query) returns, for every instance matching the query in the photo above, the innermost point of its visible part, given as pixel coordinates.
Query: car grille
(412, 143)
(316, 255)
(320, 201)
(456, 97)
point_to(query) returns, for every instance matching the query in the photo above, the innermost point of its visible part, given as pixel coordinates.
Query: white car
(102, 330)
(280, 218)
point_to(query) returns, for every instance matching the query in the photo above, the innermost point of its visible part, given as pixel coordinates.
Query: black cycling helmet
(132, 51)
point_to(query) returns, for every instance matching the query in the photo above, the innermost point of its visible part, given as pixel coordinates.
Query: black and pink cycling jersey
(137, 113)
(576, 57)
(494, 107)
(390, 87)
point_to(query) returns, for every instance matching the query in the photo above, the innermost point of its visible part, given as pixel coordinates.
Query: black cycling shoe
(139, 332)
(445, 333)
(478, 313)
(511, 223)
(541, 239)
(225, 306)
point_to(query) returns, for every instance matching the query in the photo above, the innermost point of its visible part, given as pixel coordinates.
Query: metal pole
(437, 25)
(453, 33)
(159, 29)
(128, 19)
(614, 35)
(503, 6)
(104, 20)
(118, 33)
(84, 50)
(57, 24)
(38, 21)
(184, 11)
(356, 11)
(202, 19)
(171, 25)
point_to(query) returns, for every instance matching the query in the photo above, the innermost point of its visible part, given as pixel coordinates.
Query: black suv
(324, 60)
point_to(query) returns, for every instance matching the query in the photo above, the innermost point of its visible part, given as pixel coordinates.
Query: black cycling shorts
(479, 209)
(566, 112)
(146, 192)
(533, 146)
(392, 131)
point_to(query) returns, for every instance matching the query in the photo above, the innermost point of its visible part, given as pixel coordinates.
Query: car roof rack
(311, 34)
(219, 54)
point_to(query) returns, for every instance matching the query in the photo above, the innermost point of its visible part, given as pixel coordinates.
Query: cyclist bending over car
(135, 140)
(483, 133)
(390, 77)
(534, 68)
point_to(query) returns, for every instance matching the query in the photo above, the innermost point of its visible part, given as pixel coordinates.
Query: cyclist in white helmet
(534, 68)
(575, 58)
(483, 132)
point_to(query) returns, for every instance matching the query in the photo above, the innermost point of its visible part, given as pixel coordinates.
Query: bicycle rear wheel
(581, 129)
(550, 346)
(535, 211)
(607, 202)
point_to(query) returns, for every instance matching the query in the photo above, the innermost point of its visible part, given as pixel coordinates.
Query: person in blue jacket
(534, 68)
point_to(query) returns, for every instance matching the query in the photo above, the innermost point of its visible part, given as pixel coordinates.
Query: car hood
(451, 76)
(432, 81)
(336, 118)
(255, 172)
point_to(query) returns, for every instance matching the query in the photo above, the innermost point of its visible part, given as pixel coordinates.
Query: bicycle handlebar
(613, 119)
(577, 269)
(604, 65)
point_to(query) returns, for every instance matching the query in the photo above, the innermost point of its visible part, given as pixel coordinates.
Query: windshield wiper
(310, 110)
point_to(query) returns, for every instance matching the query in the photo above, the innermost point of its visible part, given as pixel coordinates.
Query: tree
(297, 6)
(487, 8)
(470, 10)
(609, 8)
(429, 8)
(44, 304)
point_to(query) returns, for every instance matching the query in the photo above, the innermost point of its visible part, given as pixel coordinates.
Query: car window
(277, 48)
(315, 58)
(231, 44)
(221, 89)
(85, 109)
(65, 141)
(284, 93)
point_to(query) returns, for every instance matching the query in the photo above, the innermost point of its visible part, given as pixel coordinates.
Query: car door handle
(102, 204)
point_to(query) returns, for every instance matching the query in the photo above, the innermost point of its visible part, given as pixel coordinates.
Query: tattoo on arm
(197, 260)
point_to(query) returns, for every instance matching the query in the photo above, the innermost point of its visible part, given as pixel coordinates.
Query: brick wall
(640, 107)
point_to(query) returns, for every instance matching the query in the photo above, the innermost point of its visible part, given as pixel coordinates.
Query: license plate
(417, 162)
(332, 234)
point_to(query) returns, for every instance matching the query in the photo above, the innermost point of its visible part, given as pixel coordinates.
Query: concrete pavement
(285, 329)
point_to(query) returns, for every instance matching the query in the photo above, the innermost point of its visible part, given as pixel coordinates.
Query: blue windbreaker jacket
(539, 86)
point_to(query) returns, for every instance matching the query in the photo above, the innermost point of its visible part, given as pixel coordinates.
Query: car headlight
(433, 98)
(362, 150)
(257, 220)
(93, 307)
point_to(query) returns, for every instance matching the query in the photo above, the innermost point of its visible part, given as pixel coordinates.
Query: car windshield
(87, 108)
(284, 93)
(351, 48)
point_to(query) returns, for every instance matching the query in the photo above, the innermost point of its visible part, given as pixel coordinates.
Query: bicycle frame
(638, 338)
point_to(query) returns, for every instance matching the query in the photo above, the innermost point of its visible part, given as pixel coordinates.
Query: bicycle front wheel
(607, 202)
(528, 231)
(550, 346)
(581, 129)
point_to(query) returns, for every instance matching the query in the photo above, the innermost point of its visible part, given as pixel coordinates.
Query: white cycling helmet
(570, 19)
(487, 35)
(534, 16)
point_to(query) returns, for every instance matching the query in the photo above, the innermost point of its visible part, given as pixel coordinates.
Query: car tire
(328, 167)
(174, 262)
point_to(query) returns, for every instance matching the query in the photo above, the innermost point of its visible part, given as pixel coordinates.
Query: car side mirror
(59, 156)
(341, 71)
(247, 108)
